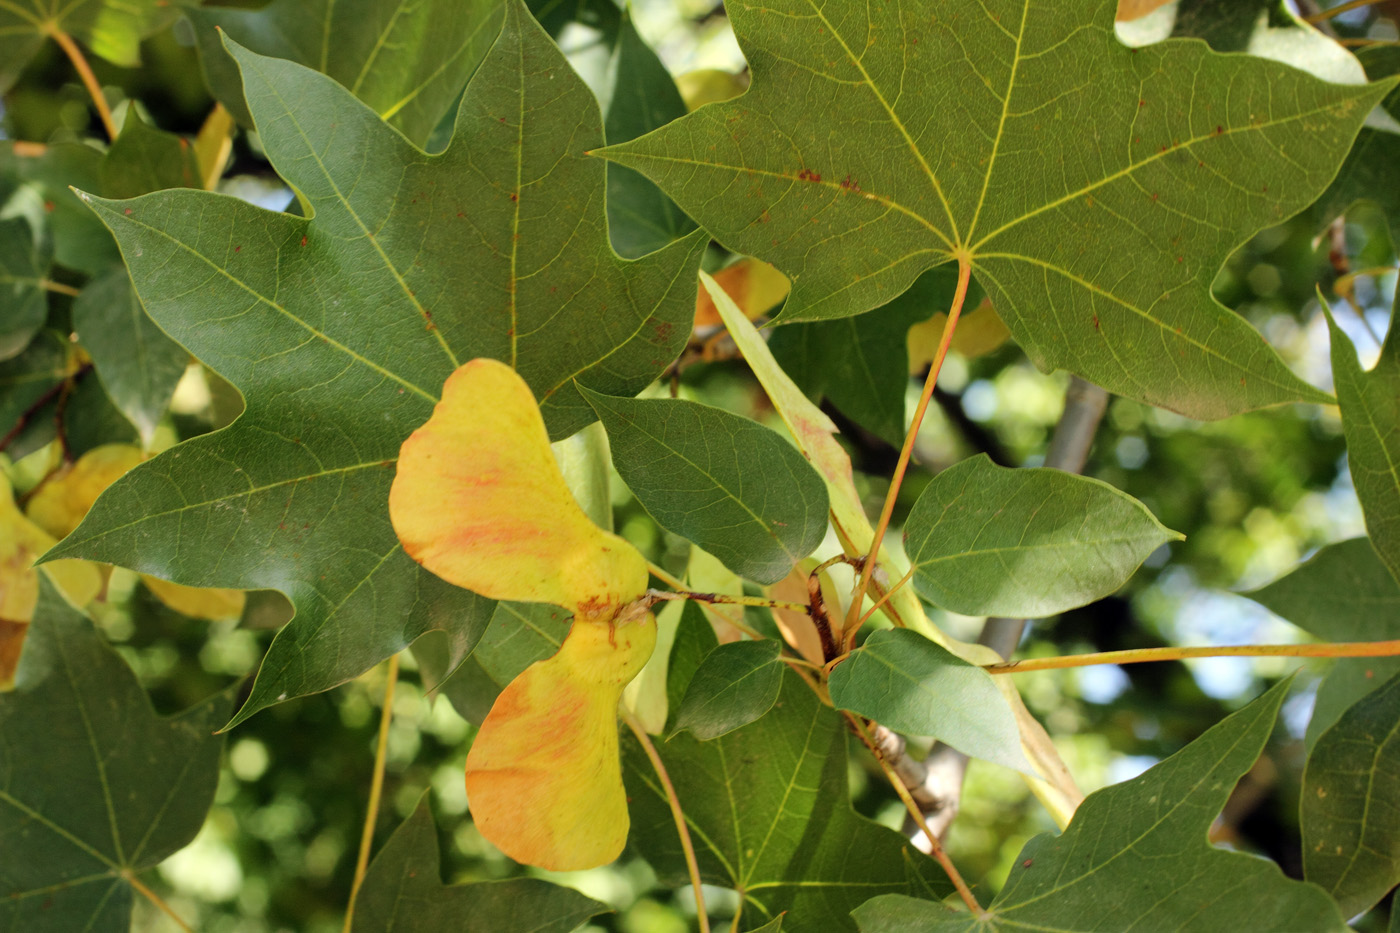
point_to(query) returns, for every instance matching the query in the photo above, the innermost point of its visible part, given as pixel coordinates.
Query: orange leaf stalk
(853, 616)
(478, 499)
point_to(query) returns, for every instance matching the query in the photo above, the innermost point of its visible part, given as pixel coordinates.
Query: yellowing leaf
(479, 500)
(197, 602)
(710, 85)
(544, 782)
(21, 541)
(62, 501)
(755, 286)
(979, 332)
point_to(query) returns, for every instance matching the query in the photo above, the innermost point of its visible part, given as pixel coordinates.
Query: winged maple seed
(478, 499)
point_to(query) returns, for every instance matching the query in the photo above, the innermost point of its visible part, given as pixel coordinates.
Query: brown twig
(916, 813)
(49, 395)
(376, 788)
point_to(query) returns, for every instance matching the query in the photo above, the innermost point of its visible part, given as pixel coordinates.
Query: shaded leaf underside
(1095, 189)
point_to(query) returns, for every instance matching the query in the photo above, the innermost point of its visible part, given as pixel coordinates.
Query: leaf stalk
(376, 788)
(863, 582)
(682, 828)
(1352, 649)
(94, 87)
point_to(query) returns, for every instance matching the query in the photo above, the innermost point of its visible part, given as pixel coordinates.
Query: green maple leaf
(94, 786)
(407, 61)
(340, 329)
(1370, 404)
(1342, 593)
(770, 816)
(403, 892)
(1145, 840)
(1094, 189)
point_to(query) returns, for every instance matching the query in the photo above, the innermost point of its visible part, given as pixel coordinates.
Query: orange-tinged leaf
(197, 602)
(544, 781)
(755, 286)
(62, 501)
(1135, 9)
(479, 500)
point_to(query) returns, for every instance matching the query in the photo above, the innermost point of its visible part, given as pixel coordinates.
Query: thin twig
(49, 285)
(376, 788)
(725, 599)
(157, 900)
(1337, 10)
(875, 607)
(673, 582)
(49, 395)
(936, 848)
(1350, 649)
(682, 828)
(873, 555)
(80, 62)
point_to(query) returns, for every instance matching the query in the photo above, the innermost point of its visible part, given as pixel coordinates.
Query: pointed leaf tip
(544, 781)
(479, 500)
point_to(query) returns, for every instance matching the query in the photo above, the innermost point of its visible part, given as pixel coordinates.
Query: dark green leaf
(407, 61)
(1341, 593)
(93, 784)
(1350, 807)
(1370, 171)
(26, 378)
(78, 239)
(640, 218)
(907, 683)
(111, 28)
(1370, 403)
(24, 265)
(144, 159)
(695, 639)
(339, 330)
(862, 363)
(769, 813)
(721, 481)
(735, 685)
(1144, 840)
(138, 364)
(876, 143)
(519, 635)
(403, 892)
(987, 540)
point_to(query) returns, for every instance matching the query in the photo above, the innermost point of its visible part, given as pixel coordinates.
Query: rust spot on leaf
(808, 175)
(303, 241)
